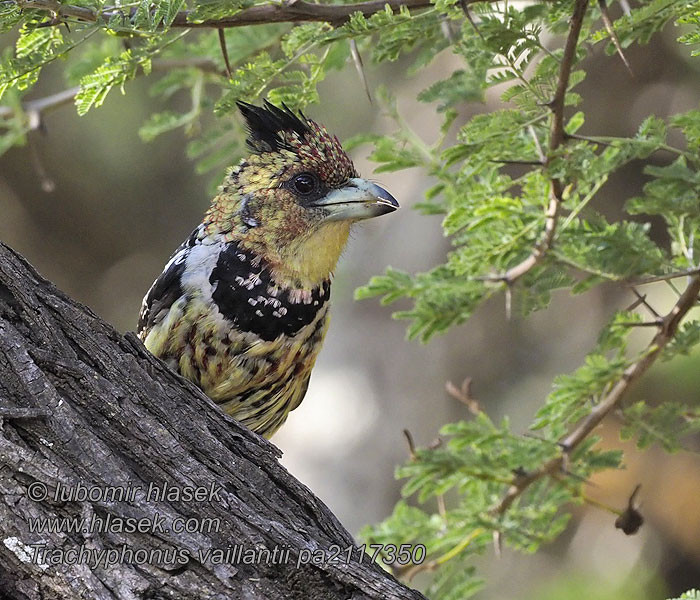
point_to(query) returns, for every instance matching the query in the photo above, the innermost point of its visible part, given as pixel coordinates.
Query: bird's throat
(312, 258)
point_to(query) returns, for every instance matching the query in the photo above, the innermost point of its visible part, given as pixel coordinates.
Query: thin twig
(41, 105)
(464, 395)
(667, 330)
(410, 573)
(671, 322)
(557, 137)
(657, 278)
(505, 161)
(467, 13)
(657, 323)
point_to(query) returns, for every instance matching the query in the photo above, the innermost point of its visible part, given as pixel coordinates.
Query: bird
(242, 306)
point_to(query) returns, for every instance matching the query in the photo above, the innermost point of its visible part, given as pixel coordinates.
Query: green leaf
(392, 286)
(575, 123)
(35, 48)
(613, 251)
(573, 396)
(689, 124)
(665, 424)
(689, 595)
(461, 86)
(10, 16)
(113, 72)
(159, 123)
(684, 342)
(165, 12)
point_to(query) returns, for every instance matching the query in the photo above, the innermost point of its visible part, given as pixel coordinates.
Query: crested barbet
(241, 308)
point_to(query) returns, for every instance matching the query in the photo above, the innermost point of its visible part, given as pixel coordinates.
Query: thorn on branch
(52, 22)
(411, 444)
(497, 543)
(565, 450)
(464, 395)
(447, 30)
(634, 305)
(442, 509)
(613, 36)
(359, 67)
(48, 185)
(509, 301)
(224, 52)
(642, 300)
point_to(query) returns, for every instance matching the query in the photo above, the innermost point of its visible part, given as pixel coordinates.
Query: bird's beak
(357, 199)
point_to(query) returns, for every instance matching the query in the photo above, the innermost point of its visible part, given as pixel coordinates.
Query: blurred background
(119, 207)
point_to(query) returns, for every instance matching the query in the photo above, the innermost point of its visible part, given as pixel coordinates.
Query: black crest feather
(267, 123)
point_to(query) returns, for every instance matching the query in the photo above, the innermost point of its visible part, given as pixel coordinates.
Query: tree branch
(666, 277)
(285, 12)
(40, 105)
(83, 407)
(668, 326)
(556, 139)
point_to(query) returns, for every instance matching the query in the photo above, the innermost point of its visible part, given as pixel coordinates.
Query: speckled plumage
(241, 308)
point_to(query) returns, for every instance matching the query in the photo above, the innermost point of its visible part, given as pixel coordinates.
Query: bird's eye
(305, 184)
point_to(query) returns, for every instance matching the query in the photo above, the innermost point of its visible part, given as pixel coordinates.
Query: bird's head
(293, 200)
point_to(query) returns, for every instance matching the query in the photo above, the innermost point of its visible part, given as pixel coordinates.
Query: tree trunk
(100, 437)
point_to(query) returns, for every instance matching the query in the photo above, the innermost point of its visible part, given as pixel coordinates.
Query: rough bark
(83, 405)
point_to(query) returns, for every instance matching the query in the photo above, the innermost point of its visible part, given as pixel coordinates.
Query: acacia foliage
(493, 218)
